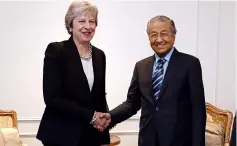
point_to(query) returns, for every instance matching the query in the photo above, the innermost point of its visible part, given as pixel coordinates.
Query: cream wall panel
(207, 46)
(226, 75)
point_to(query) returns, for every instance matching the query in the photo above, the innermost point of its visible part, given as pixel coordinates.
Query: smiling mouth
(160, 45)
(86, 33)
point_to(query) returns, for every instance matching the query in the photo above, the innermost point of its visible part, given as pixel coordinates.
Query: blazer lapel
(96, 66)
(76, 61)
(169, 72)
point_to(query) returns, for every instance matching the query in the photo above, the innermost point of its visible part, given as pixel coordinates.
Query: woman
(233, 133)
(74, 84)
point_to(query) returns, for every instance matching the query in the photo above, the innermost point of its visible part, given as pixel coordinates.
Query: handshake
(102, 121)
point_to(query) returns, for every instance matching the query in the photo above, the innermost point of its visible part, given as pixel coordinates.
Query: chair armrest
(227, 144)
(10, 135)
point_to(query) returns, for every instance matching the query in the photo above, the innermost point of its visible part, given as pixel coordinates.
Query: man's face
(161, 37)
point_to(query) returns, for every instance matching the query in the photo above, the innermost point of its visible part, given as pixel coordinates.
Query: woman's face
(83, 27)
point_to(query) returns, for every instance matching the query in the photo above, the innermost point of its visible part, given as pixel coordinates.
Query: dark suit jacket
(70, 104)
(178, 118)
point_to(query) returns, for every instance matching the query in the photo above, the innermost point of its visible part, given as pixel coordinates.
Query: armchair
(218, 126)
(9, 134)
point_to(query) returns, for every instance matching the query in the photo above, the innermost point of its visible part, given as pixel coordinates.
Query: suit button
(157, 108)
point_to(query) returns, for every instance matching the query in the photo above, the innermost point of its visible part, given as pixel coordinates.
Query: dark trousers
(49, 144)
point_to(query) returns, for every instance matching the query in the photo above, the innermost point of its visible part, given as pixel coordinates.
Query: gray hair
(162, 18)
(77, 8)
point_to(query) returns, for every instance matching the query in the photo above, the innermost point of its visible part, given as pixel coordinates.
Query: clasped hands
(102, 121)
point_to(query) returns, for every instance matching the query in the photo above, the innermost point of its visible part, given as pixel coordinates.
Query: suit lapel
(148, 77)
(169, 72)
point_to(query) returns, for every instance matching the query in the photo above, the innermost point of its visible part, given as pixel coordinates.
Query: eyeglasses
(163, 35)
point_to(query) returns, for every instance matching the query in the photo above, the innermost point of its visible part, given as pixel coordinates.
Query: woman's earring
(70, 29)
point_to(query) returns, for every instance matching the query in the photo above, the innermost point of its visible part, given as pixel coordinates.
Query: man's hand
(107, 118)
(102, 121)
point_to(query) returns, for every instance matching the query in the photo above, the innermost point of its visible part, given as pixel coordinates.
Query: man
(168, 88)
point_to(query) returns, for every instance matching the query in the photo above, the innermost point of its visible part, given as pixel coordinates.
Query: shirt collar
(167, 56)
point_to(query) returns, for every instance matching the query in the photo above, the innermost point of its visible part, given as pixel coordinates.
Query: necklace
(87, 58)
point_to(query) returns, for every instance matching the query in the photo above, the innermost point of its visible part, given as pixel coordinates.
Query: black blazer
(70, 104)
(178, 118)
(233, 133)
